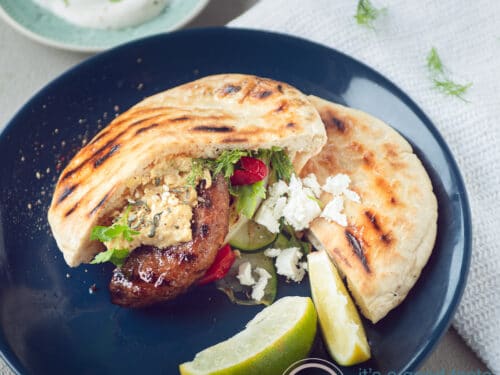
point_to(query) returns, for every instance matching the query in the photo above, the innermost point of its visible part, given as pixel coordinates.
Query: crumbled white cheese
(352, 196)
(288, 264)
(258, 289)
(300, 209)
(339, 185)
(245, 274)
(311, 182)
(272, 253)
(297, 202)
(333, 211)
(278, 189)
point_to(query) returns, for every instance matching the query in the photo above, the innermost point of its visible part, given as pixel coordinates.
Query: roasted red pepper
(250, 170)
(220, 267)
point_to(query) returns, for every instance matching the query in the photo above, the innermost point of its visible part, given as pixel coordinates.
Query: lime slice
(275, 338)
(251, 237)
(339, 320)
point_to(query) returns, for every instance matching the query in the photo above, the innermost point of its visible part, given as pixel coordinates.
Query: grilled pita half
(391, 233)
(199, 119)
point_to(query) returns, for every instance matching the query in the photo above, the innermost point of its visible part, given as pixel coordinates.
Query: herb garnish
(366, 13)
(227, 160)
(281, 164)
(105, 234)
(440, 79)
(115, 256)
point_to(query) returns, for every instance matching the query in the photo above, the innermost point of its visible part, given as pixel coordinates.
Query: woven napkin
(466, 35)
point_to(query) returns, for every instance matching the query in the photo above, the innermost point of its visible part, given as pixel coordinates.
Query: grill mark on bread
(332, 121)
(280, 88)
(101, 202)
(69, 173)
(231, 89)
(146, 128)
(106, 156)
(178, 119)
(262, 94)
(213, 128)
(384, 237)
(283, 106)
(66, 192)
(70, 211)
(373, 219)
(290, 125)
(357, 249)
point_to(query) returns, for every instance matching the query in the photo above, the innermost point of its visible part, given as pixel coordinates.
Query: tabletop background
(26, 66)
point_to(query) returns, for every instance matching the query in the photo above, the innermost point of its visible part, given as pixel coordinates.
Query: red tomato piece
(220, 267)
(251, 170)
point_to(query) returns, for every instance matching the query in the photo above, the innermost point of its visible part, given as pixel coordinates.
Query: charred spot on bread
(101, 202)
(231, 89)
(104, 157)
(213, 128)
(357, 249)
(178, 119)
(332, 121)
(66, 192)
(146, 128)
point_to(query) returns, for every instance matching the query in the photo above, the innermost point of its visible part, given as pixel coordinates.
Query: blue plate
(51, 324)
(43, 26)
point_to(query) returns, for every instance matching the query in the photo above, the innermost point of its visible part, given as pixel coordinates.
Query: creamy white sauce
(105, 14)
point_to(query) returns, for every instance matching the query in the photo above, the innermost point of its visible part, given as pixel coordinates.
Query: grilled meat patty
(151, 275)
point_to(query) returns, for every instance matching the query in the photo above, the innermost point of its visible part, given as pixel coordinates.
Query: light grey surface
(26, 66)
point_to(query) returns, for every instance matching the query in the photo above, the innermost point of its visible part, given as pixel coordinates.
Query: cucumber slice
(241, 294)
(251, 237)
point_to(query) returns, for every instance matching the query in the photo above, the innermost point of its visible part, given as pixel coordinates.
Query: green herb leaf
(249, 197)
(434, 62)
(105, 234)
(281, 164)
(115, 256)
(197, 166)
(441, 80)
(452, 88)
(225, 162)
(366, 13)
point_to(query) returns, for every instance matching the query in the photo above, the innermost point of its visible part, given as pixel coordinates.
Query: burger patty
(151, 275)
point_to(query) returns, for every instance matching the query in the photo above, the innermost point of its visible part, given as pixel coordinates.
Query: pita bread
(199, 119)
(391, 234)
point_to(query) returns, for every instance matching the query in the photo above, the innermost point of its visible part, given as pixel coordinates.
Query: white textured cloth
(467, 36)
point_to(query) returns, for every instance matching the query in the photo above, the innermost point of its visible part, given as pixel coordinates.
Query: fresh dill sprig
(441, 81)
(452, 88)
(367, 13)
(434, 62)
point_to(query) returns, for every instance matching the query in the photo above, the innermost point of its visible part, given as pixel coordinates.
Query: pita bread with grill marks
(391, 233)
(199, 119)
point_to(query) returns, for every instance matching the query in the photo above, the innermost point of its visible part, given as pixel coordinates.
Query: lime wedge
(278, 336)
(339, 320)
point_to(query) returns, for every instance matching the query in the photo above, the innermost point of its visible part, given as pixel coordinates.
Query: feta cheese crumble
(339, 185)
(333, 211)
(300, 209)
(258, 289)
(246, 278)
(288, 263)
(311, 182)
(245, 274)
(298, 202)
